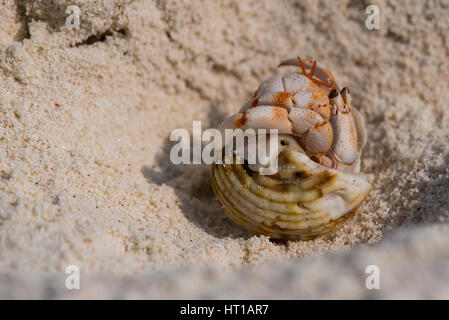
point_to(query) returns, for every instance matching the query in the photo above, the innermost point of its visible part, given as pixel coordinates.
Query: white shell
(302, 201)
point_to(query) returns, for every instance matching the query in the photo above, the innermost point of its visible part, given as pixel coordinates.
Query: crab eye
(333, 93)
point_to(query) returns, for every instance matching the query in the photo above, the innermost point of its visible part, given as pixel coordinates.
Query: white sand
(85, 176)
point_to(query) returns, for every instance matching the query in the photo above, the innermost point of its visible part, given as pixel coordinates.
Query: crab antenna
(313, 69)
(310, 76)
(322, 83)
(302, 66)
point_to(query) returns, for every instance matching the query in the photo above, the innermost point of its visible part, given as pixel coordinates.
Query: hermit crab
(317, 184)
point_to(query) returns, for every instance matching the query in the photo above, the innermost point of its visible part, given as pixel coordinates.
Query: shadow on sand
(191, 184)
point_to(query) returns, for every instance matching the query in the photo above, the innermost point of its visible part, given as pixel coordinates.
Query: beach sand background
(85, 120)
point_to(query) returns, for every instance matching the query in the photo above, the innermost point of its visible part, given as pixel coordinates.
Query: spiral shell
(303, 199)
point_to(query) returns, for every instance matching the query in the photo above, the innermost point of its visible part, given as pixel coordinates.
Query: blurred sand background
(85, 175)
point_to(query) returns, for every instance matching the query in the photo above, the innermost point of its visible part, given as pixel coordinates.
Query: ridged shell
(302, 201)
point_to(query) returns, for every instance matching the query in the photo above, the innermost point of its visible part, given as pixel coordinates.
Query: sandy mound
(86, 114)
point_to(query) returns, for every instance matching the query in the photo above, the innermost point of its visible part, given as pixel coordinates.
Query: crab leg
(282, 99)
(261, 117)
(315, 131)
(310, 126)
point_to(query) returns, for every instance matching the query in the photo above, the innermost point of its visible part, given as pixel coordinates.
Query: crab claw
(344, 144)
(346, 97)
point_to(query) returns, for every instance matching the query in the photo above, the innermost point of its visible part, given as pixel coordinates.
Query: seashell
(317, 184)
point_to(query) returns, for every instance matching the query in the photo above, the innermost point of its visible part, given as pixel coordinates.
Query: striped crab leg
(308, 125)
